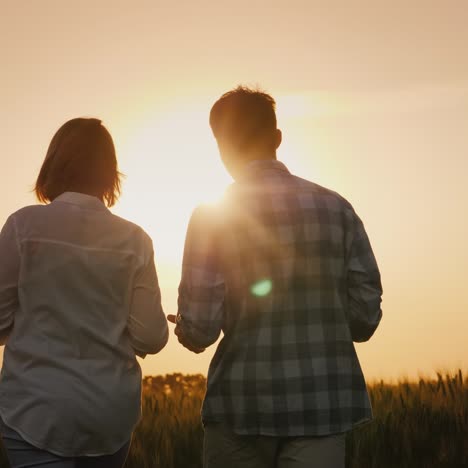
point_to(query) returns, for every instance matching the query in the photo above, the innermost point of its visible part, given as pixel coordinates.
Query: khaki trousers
(225, 449)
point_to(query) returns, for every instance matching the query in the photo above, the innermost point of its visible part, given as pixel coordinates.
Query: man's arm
(147, 325)
(201, 290)
(364, 284)
(9, 275)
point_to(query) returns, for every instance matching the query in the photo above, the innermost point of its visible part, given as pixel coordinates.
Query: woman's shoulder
(134, 230)
(28, 209)
(127, 224)
(27, 212)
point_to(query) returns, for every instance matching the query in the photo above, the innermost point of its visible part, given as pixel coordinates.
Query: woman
(79, 298)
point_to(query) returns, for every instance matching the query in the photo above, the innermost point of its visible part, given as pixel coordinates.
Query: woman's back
(69, 365)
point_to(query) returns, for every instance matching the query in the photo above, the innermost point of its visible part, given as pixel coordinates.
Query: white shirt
(79, 297)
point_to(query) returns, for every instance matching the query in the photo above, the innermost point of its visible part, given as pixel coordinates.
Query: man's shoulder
(207, 217)
(309, 193)
(308, 189)
(206, 212)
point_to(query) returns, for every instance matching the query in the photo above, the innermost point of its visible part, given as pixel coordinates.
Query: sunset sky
(372, 100)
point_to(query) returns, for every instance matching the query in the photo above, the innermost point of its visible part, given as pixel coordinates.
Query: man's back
(285, 269)
(300, 283)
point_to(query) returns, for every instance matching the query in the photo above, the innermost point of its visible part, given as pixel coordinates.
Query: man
(285, 269)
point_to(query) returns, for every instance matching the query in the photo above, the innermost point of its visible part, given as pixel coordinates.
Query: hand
(182, 338)
(172, 318)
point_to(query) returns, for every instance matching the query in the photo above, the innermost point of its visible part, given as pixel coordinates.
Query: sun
(171, 164)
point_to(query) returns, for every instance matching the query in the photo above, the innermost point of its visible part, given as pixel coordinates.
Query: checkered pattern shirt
(284, 268)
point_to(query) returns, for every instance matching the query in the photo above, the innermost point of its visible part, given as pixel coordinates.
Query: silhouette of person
(79, 298)
(284, 268)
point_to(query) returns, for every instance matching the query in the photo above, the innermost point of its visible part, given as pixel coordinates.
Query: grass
(418, 424)
(170, 433)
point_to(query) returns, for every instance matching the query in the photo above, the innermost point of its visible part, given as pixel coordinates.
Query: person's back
(78, 267)
(79, 299)
(285, 249)
(284, 268)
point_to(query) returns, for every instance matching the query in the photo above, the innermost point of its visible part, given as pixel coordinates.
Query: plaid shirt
(284, 268)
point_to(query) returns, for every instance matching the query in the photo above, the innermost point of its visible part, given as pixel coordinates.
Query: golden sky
(372, 100)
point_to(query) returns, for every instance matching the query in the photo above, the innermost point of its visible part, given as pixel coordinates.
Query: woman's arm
(147, 324)
(9, 275)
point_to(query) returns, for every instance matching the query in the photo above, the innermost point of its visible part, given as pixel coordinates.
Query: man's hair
(244, 117)
(81, 158)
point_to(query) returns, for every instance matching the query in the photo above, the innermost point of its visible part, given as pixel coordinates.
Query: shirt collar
(252, 168)
(87, 202)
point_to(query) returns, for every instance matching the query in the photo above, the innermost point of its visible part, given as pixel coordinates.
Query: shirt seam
(17, 241)
(84, 207)
(81, 247)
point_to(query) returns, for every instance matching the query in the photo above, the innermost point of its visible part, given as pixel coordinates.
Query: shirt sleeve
(9, 276)
(147, 324)
(364, 283)
(201, 290)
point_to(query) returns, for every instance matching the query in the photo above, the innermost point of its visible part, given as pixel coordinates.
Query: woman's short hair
(81, 158)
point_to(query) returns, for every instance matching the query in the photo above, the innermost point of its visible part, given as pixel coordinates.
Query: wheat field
(418, 424)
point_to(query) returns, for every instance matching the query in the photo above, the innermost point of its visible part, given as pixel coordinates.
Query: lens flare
(261, 288)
